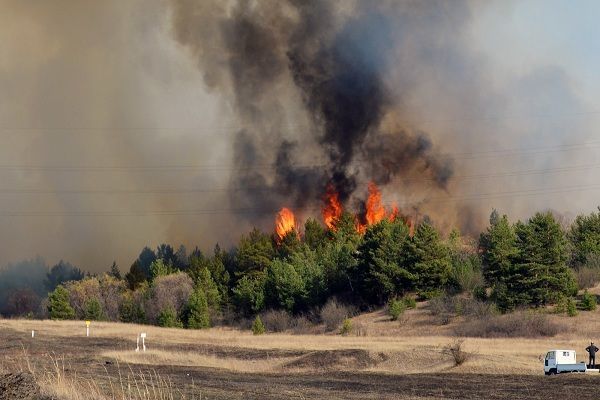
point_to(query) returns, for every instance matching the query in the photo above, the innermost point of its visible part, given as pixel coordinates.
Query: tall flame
(332, 210)
(285, 222)
(375, 210)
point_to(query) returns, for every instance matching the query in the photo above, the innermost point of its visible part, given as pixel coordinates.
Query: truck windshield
(550, 355)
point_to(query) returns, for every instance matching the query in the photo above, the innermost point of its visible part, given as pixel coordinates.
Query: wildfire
(375, 210)
(332, 210)
(285, 222)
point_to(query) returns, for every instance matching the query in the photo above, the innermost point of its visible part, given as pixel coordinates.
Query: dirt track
(213, 383)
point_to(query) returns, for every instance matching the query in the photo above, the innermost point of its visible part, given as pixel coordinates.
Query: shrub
(58, 304)
(276, 320)
(571, 308)
(396, 308)
(93, 310)
(167, 318)
(333, 314)
(587, 277)
(454, 349)
(346, 327)
(410, 302)
(257, 326)
(511, 325)
(302, 324)
(588, 302)
(479, 293)
(170, 291)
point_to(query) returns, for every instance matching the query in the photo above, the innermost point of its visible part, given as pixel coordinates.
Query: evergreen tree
(284, 287)
(93, 310)
(381, 273)
(58, 304)
(115, 271)
(249, 294)
(168, 318)
(136, 276)
(428, 259)
(160, 268)
(254, 254)
(198, 313)
(585, 238)
(315, 236)
(498, 247)
(541, 267)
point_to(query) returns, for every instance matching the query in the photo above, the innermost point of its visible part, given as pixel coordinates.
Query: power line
(255, 210)
(268, 166)
(544, 171)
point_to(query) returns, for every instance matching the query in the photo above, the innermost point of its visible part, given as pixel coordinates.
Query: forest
(525, 264)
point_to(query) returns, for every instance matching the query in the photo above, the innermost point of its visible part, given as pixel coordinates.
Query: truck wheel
(552, 372)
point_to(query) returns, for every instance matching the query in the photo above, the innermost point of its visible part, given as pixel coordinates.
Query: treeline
(528, 263)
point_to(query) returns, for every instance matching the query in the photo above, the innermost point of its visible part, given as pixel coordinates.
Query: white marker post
(143, 336)
(87, 328)
(137, 343)
(32, 334)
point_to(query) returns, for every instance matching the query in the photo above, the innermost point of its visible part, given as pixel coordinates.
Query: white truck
(561, 361)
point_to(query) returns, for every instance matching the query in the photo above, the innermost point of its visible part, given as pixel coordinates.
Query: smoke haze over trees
(130, 124)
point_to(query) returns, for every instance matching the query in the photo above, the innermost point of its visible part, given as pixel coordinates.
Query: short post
(137, 343)
(87, 328)
(143, 336)
(32, 333)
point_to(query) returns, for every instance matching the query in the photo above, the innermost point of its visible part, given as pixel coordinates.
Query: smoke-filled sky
(131, 123)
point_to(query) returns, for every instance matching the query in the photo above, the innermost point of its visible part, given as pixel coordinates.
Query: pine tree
(428, 259)
(498, 246)
(198, 317)
(115, 271)
(58, 304)
(93, 310)
(381, 272)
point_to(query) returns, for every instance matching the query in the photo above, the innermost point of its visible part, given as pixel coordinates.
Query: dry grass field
(397, 360)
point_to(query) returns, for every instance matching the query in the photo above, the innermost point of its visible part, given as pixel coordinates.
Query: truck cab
(559, 361)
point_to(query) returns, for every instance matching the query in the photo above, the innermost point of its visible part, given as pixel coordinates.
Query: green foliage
(571, 308)
(526, 264)
(498, 245)
(396, 308)
(588, 302)
(315, 236)
(258, 328)
(168, 318)
(249, 295)
(382, 272)
(136, 276)
(131, 310)
(254, 254)
(346, 328)
(410, 302)
(93, 310)
(58, 304)
(197, 309)
(284, 287)
(585, 237)
(160, 268)
(429, 259)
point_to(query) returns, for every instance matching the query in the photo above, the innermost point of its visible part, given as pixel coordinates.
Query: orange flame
(394, 214)
(375, 210)
(332, 210)
(285, 222)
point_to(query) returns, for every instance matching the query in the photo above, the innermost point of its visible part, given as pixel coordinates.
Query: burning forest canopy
(182, 121)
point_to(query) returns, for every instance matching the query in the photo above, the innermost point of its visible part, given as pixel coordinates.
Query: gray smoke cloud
(127, 124)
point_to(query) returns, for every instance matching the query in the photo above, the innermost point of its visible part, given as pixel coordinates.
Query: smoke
(126, 124)
(335, 63)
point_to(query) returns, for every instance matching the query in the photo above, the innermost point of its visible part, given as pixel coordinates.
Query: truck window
(550, 355)
(565, 354)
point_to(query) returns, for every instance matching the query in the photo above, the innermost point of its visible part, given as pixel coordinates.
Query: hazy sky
(112, 138)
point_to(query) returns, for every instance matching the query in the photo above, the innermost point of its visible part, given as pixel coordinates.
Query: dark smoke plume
(336, 61)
